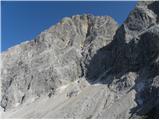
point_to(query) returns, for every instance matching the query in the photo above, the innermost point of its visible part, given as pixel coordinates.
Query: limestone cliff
(86, 66)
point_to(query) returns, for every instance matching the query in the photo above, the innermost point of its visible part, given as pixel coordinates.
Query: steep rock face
(56, 57)
(134, 59)
(91, 68)
(139, 52)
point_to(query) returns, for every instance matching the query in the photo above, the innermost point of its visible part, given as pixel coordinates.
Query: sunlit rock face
(54, 58)
(86, 66)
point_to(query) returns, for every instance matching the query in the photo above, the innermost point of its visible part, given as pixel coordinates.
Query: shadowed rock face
(119, 64)
(133, 58)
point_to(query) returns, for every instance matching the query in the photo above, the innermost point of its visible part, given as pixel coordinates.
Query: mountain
(86, 66)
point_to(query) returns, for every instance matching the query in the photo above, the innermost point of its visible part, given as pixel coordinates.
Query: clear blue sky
(23, 21)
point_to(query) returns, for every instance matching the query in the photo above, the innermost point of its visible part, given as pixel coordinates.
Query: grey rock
(54, 58)
(88, 66)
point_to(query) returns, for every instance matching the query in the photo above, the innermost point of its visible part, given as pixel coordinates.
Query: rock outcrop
(54, 58)
(86, 67)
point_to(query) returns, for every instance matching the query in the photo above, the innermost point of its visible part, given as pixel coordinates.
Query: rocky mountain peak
(53, 58)
(86, 66)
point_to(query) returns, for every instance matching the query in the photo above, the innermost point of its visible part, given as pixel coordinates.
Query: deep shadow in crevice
(119, 57)
(112, 60)
(101, 63)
